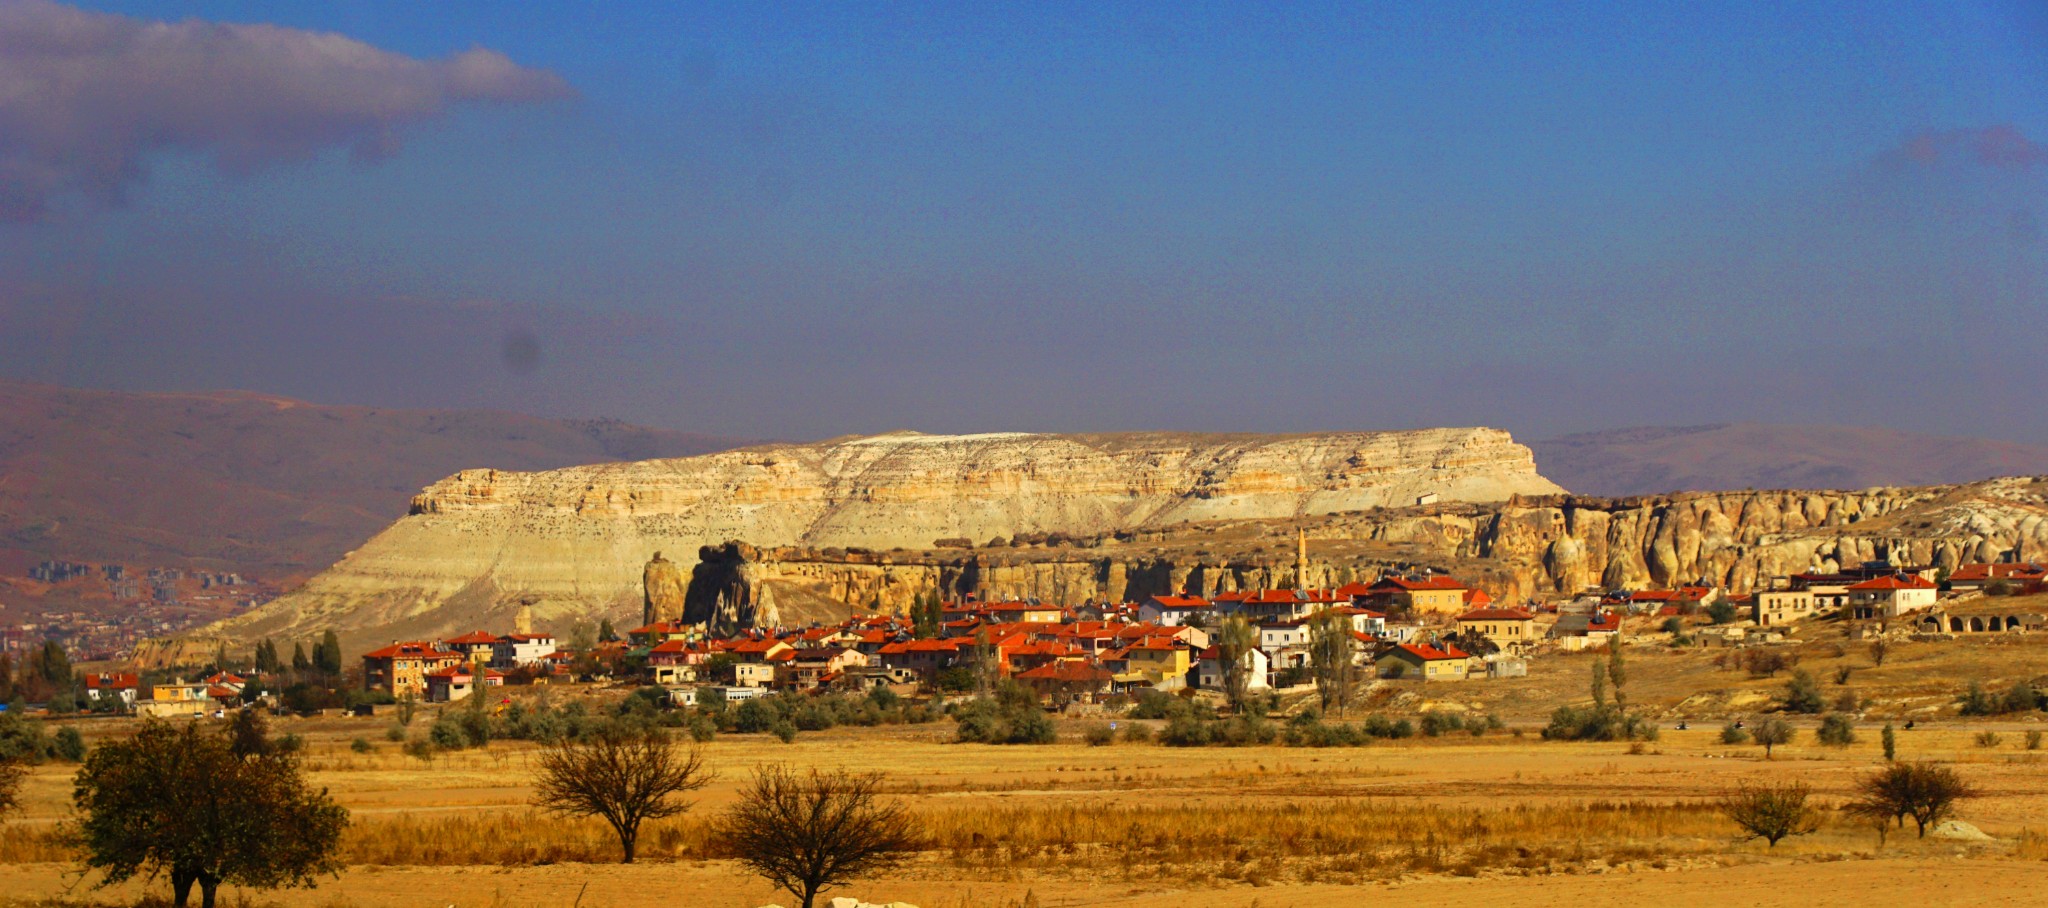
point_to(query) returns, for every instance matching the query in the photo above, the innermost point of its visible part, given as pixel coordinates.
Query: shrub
(1434, 723)
(447, 735)
(395, 733)
(1012, 716)
(784, 730)
(1138, 733)
(1771, 812)
(1842, 673)
(1978, 703)
(1988, 739)
(753, 717)
(1595, 723)
(2034, 739)
(1836, 730)
(2020, 698)
(1673, 625)
(701, 728)
(1802, 694)
(1152, 704)
(1891, 743)
(1243, 731)
(1185, 731)
(1732, 733)
(1098, 734)
(420, 749)
(361, 745)
(69, 745)
(1721, 612)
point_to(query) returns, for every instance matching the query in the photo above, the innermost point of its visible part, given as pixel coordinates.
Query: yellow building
(1436, 593)
(1510, 629)
(1159, 661)
(1426, 663)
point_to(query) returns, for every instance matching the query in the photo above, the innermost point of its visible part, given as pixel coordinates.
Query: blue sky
(798, 221)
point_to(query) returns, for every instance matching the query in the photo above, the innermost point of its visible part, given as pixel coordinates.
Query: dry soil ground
(1601, 838)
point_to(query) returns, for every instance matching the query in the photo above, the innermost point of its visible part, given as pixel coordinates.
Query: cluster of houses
(126, 692)
(1429, 627)
(444, 671)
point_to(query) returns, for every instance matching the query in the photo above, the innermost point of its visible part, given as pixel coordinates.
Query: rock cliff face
(1526, 548)
(575, 541)
(663, 594)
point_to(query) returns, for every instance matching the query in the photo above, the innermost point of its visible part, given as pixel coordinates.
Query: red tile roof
(1430, 653)
(1893, 582)
(417, 649)
(112, 681)
(473, 637)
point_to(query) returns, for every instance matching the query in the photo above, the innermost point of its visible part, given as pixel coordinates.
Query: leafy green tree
(266, 658)
(1333, 660)
(1617, 675)
(181, 802)
(1235, 639)
(606, 632)
(1772, 732)
(300, 663)
(327, 656)
(1891, 743)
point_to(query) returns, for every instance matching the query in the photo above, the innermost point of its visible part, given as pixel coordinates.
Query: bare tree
(1879, 648)
(808, 832)
(1771, 812)
(1332, 659)
(1924, 791)
(625, 777)
(1772, 732)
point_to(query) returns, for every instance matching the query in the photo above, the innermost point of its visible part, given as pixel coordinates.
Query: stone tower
(523, 622)
(1300, 558)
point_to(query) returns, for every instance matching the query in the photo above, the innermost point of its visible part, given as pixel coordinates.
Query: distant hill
(232, 480)
(1647, 461)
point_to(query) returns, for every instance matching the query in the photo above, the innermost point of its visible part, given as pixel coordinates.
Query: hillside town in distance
(1425, 627)
(101, 611)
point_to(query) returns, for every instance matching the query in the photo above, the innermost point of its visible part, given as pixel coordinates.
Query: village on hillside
(1424, 627)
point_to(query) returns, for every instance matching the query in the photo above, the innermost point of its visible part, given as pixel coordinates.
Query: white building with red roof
(117, 686)
(1172, 610)
(458, 681)
(1891, 596)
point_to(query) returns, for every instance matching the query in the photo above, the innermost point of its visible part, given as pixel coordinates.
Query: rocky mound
(576, 541)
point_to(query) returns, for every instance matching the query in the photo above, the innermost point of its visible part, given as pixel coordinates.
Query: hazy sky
(795, 221)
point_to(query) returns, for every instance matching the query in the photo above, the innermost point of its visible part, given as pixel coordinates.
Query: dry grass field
(1430, 821)
(1439, 820)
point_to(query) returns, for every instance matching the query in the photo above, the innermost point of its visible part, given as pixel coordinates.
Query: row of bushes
(25, 741)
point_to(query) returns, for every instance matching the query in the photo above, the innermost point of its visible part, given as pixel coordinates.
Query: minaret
(523, 623)
(1300, 558)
